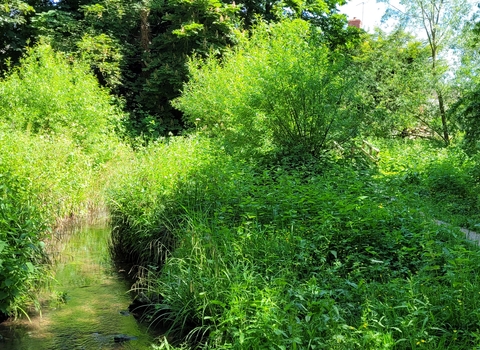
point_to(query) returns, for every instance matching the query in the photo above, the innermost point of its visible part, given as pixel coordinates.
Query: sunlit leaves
(282, 88)
(48, 95)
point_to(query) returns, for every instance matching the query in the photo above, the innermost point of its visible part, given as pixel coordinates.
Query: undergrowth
(237, 256)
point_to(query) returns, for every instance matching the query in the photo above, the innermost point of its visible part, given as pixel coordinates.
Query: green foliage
(21, 252)
(42, 179)
(55, 138)
(446, 180)
(170, 32)
(142, 205)
(281, 89)
(441, 22)
(393, 68)
(467, 112)
(139, 49)
(297, 258)
(92, 33)
(14, 30)
(48, 95)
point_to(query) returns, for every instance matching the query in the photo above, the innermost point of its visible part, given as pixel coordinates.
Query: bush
(281, 90)
(47, 94)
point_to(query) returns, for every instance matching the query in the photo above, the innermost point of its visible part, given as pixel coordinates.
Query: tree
(466, 110)
(441, 22)
(139, 49)
(14, 30)
(392, 67)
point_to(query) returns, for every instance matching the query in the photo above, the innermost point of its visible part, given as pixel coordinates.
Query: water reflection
(95, 296)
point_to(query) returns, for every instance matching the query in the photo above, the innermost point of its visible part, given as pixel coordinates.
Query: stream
(91, 310)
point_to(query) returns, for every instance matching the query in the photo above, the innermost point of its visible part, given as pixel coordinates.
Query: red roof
(355, 22)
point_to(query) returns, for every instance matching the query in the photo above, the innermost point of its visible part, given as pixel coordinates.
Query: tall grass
(148, 201)
(55, 138)
(43, 179)
(285, 258)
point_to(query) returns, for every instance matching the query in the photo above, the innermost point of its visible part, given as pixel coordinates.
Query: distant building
(355, 22)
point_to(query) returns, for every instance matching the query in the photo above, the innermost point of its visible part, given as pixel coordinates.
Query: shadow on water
(91, 302)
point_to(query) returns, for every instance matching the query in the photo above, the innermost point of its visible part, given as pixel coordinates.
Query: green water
(96, 299)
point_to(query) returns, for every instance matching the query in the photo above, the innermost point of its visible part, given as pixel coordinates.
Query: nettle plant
(282, 89)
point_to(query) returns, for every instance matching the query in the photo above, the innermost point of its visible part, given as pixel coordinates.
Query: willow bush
(48, 94)
(281, 90)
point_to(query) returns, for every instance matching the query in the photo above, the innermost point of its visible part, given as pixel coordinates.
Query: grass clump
(148, 201)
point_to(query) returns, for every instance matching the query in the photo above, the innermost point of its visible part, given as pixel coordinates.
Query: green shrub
(47, 94)
(281, 90)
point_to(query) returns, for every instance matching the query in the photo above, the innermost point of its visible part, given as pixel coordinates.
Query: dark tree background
(138, 49)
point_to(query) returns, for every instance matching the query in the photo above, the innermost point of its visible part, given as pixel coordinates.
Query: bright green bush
(49, 95)
(280, 90)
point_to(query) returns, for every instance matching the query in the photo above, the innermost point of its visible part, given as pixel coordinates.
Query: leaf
(8, 282)
(30, 266)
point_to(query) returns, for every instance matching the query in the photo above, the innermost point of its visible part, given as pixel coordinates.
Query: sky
(368, 11)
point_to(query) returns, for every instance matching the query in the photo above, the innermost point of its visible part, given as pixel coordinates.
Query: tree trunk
(443, 115)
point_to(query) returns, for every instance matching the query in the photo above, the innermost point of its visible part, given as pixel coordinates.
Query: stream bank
(90, 310)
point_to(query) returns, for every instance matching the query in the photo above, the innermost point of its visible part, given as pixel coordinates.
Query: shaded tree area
(466, 110)
(139, 48)
(393, 70)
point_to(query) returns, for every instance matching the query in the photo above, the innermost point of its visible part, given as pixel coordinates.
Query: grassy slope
(301, 258)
